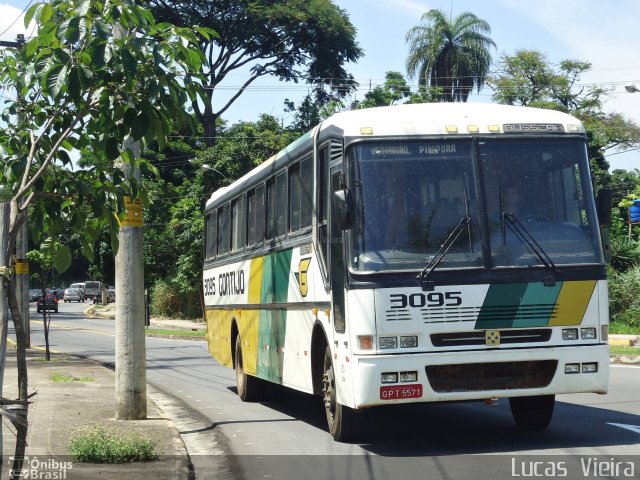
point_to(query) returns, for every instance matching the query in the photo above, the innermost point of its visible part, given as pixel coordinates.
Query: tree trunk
(21, 411)
(4, 313)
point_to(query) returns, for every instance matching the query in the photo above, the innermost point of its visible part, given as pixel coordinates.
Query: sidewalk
(60, 408)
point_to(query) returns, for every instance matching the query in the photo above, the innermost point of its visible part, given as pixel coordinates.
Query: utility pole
(131, 374)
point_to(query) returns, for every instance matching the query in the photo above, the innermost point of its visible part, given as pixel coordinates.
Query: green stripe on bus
(500, 306)
(271, 333)
(537, 305)
(275, 277)
(271, 336)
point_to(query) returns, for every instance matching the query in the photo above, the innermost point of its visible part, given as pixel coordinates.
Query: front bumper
(476, 375)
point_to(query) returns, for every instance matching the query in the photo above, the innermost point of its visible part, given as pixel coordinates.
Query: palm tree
(453, 56)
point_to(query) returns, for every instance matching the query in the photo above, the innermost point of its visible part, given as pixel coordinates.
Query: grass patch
(623, 329)
(62, 378)
(98, 444)
(184, 333)
(619, 350)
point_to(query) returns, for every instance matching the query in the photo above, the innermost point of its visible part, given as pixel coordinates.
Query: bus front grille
(474, 377)
(460, 339)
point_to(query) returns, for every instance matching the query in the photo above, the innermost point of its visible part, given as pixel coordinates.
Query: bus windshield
(410, 196)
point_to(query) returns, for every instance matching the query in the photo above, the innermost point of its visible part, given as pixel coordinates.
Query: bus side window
(255, 216)
(211, 233)
(306, 192)
(323, 180)
(276, 206)
(294, 198)
(238, 230)
(224, 232)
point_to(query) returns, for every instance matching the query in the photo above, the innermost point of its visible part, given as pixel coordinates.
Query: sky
(603, 33)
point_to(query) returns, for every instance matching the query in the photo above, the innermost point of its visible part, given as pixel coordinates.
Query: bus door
(337, 268)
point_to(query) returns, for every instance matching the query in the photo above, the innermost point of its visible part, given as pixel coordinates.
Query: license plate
(400, 392)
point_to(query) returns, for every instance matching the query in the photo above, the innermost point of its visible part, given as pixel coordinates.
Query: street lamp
(206, 166)
(631, 88)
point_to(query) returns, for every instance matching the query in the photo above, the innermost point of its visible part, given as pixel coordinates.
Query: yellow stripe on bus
(572, 302)
(255, 280)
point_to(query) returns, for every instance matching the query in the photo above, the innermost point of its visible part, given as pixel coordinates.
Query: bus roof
(444, 119)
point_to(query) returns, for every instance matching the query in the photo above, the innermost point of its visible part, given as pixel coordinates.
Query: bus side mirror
(343, 208)
(604, 204)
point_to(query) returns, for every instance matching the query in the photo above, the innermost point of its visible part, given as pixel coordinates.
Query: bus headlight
(409, 342)
(572, 368)
(409, 377)
(588, 333)
(388, 342)
(390, 377)
(570, 334)
(590, 367)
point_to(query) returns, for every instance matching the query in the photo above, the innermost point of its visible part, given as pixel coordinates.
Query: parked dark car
(50, 304)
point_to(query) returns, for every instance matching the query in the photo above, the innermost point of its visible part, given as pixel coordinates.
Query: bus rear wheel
(340, 419)
(247, 385)
(532, 413)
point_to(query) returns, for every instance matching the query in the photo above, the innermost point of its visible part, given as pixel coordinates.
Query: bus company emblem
(492, 338)
(303, 268)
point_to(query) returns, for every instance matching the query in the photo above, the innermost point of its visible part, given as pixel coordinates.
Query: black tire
(38, 310)
(340, 419)
(56, 310)
(249, 387)
(532, 413)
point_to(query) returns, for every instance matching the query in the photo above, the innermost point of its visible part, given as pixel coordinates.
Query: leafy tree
(95, 74)
(289, 39)
(175, 219)
(394, 90)
(452, 55)
(527, 78)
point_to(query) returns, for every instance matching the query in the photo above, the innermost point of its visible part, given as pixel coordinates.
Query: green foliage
(99, 444)
(624, 297)
(289, 39)
(394, 90)
(625, 253)
(527, 78)
(451, 55)
(95, 74)
(175, 219)
(167, 301)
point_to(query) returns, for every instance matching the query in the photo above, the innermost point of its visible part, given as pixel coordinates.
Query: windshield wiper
(423, 276)
(524, 236)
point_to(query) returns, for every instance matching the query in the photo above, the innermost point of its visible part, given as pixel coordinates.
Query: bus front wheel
(532, 413)
(340, 419)
(247, 385)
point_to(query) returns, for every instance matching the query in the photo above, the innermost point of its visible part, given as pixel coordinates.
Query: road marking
(34, 347)
(78, 329)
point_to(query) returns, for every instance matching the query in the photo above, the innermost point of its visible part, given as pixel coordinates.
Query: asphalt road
(287, 438)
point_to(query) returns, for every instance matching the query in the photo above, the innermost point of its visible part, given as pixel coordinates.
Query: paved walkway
(61, 409)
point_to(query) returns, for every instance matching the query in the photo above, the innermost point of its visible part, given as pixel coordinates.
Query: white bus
(414, 253)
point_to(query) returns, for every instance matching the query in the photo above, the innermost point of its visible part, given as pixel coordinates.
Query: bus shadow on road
(468, 428)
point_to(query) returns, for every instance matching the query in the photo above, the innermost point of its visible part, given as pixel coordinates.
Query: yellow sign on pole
(22, 267)
(133, 217)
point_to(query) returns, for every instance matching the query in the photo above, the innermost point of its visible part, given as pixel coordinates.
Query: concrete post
(131, 378)
(22, 280)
